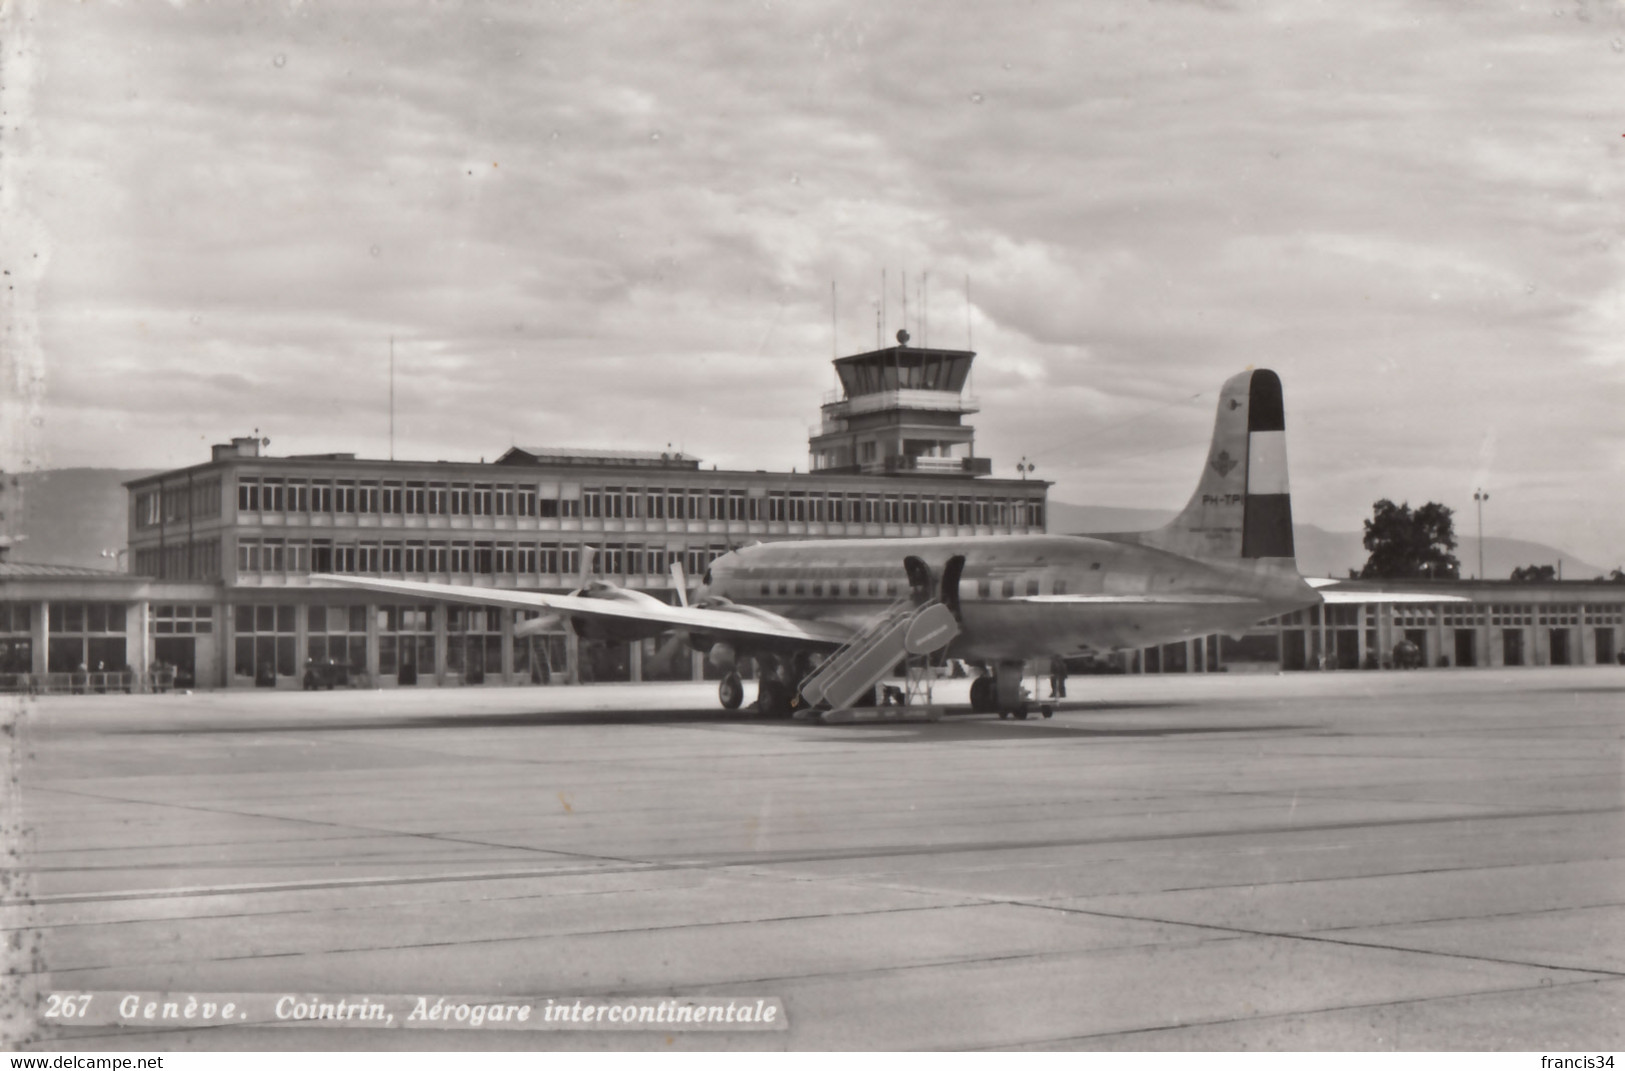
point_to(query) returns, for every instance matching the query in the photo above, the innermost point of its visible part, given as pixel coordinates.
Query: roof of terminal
(22, 570)
(571, 455)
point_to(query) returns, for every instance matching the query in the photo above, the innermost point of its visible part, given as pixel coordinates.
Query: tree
(1534, 574)
(1408, 545)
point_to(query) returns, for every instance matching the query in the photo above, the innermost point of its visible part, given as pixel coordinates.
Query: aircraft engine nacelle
(722, 656)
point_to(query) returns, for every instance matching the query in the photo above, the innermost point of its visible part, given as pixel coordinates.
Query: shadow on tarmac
(989, 727)
(958, 723)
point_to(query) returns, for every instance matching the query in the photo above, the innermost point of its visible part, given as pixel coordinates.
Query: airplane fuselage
(1016, 592)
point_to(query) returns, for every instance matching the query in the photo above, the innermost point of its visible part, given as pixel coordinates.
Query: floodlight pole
(1480, 496)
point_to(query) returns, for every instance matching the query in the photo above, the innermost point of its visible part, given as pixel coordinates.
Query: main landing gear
(1002, 692)
(773, 696)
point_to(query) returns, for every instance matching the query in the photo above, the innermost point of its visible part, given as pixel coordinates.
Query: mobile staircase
(910, 631)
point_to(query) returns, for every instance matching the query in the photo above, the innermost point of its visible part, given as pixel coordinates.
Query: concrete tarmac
(1425, 860)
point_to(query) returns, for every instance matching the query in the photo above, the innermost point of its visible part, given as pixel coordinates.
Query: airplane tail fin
(1242, 507)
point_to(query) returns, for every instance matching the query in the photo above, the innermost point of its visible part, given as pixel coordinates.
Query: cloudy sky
(616, 224)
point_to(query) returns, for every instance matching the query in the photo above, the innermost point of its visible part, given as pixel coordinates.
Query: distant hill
(1323, 553)
(68, 516)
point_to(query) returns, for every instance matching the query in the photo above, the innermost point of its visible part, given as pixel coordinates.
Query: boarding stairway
(908, 629)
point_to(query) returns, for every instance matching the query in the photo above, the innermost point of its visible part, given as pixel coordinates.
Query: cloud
(605, 224)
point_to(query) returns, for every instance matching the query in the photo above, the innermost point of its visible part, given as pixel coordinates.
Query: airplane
(825, 620)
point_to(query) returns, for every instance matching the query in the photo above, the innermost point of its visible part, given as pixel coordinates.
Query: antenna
(968, 344)
(925, 309)
(392, 397)
(881, 339)
(904, 277)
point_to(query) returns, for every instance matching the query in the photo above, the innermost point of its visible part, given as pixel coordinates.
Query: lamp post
(1024, 466)
(1481, 496)
(117, 556)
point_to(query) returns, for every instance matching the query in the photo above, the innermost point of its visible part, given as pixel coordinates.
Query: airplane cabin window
(784, 588)
(801, 587)
(852, 588)
(874, 587)
(1009, 589)
(984, 589)
(1059, 587)
(1032, 586)
(767, 588)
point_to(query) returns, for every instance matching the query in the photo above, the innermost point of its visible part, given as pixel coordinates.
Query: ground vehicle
(325, 673)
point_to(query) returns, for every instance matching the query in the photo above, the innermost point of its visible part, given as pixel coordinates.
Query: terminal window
(405, 642)
(16, 640)
(264, 646)
(298, 496)
(339, 634)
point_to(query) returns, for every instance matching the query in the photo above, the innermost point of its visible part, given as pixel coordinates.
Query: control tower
(901, 414)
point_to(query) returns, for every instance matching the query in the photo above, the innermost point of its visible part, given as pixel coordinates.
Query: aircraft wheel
(1047, 710)
(980, 699)
(1021, 715)
(731, 692)
(1003, 714)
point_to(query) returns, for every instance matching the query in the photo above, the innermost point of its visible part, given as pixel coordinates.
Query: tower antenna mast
(834, 330)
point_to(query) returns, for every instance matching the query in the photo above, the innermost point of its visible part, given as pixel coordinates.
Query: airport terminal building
(1502, 623)
(218, 591)
(221, 553)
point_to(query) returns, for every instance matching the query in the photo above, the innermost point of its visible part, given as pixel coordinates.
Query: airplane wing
(618, 606)
(1334, 598)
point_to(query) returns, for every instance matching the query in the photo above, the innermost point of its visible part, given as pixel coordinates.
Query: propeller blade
(679, 580)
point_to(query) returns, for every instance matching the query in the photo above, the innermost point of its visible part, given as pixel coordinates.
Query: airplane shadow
(989, 727)
(517, 719)
(957, 724)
